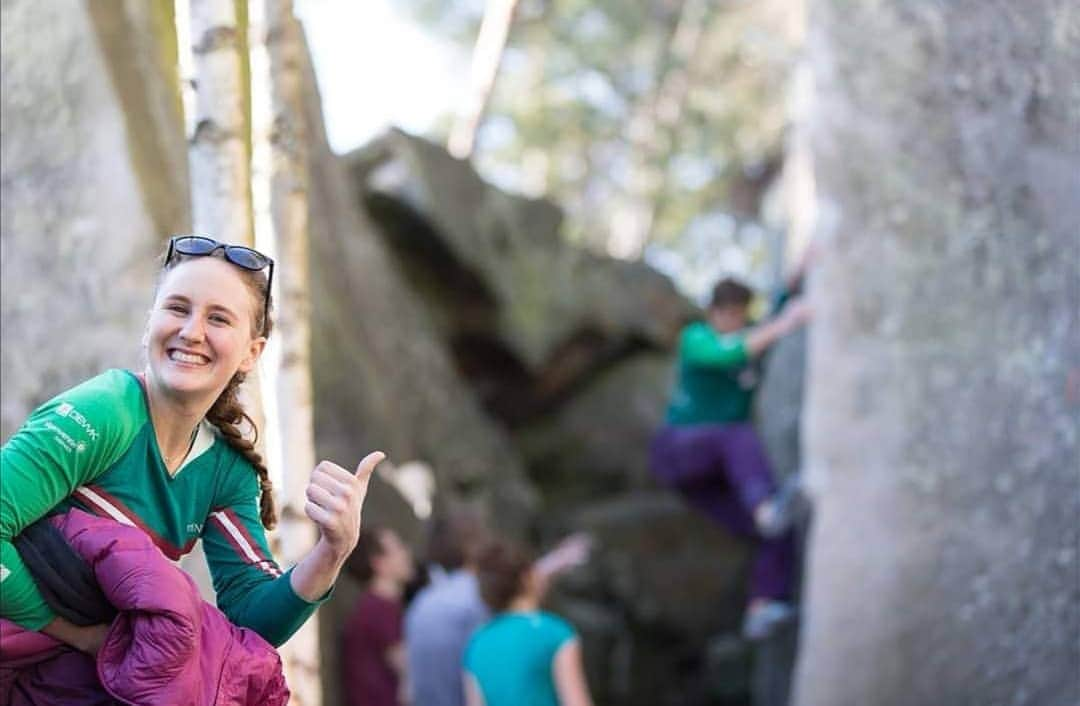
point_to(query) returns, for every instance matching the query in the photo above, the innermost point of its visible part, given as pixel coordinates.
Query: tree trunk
(218, 154)
(218, 145)
(210, 40)
(487, 56)
(944, 395)
(280, 189)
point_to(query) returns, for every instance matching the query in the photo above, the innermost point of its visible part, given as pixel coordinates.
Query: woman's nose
(192, 329)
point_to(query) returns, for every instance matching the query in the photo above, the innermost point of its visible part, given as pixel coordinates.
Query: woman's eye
(179, 308)
(219, 319)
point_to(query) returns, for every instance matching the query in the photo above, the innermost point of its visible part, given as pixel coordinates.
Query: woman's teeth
(190, 358)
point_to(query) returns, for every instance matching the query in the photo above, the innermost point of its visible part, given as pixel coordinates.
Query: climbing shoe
(764, 618)
(786, 506)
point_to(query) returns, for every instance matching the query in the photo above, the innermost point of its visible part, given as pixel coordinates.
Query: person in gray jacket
(443, 615)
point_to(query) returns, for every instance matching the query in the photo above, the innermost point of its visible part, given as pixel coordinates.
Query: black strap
(65, 580)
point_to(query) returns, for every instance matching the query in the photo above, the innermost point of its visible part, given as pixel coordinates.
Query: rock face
(596, 443)
(779, 402)
(382, 377)
(662, 583)
(527, 317)
(573, 353)
(943, 404)
(85, 208)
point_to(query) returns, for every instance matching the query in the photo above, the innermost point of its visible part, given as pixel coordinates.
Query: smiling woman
(171, 450)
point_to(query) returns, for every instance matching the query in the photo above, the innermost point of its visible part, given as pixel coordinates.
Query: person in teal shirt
(709, 451)
(524, 656)
(170, 450)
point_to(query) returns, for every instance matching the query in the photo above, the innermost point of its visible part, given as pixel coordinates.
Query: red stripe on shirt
(237, 534)
(167, 548)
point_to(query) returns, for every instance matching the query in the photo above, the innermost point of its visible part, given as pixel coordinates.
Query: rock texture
(779, 402)
(527, 317)
(943, 407)
(596, 443)
(382, 376)
(662, 583)
(85, 204)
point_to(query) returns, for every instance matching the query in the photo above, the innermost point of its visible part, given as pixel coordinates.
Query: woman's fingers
(325, 498)
(330, 475)
(335, 496)
(368, 463)
(319, 515)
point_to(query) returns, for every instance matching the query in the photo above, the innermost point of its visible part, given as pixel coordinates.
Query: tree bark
(218, 154)
(211, 40)
(487, 56)
(280, 190)
(944, 396)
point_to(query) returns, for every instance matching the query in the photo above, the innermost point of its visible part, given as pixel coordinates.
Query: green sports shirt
(94, 448)
(714, 378)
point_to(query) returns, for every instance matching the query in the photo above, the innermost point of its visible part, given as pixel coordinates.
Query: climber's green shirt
(93, 447)
(714, 381)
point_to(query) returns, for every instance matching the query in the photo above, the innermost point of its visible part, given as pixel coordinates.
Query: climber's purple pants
(723, 471)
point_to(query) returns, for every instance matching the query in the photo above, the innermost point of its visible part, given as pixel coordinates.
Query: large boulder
(779, 402)
(943, 405)
(596, 443)
(382, 376)
(93, 177)
(663, 582)
(527, 316)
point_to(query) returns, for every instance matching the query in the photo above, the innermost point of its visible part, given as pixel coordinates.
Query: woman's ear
(255, 350)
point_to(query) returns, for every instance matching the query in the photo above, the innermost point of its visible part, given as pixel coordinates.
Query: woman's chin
(187, 380)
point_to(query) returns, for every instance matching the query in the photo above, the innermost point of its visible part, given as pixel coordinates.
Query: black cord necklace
(190, 446)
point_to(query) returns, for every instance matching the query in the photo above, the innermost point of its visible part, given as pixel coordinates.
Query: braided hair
(227, 413)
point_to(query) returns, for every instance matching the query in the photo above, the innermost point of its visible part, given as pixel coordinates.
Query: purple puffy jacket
(167, 646)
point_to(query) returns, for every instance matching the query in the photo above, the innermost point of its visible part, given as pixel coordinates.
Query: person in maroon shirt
(373, 655)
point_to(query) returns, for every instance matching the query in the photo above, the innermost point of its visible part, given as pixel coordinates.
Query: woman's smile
(188, 358)
(199, 333)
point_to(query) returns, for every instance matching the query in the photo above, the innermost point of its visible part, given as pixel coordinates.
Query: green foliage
(577, 72)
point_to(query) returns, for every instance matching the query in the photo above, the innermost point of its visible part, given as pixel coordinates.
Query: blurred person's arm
(792, 282)
(473, 695)
(569, 673)
(395, 656)
(794, 314)
(571, 552)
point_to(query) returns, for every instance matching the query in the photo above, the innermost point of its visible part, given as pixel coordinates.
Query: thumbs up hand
(335, 499)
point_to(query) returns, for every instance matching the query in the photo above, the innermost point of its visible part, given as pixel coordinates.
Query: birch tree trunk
(943, 405)
(218, 155)
(280, 189)
(210, 41)
(486, 58)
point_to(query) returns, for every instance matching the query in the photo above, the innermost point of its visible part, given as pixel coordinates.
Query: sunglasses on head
(200, 245)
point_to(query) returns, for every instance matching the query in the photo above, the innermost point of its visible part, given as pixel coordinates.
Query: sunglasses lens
(195, 245)
(246, 257)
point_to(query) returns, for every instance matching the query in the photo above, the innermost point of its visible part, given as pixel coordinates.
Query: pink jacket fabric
(166, 647)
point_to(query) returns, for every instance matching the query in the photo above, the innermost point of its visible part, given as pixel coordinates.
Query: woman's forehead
(207, 278)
